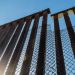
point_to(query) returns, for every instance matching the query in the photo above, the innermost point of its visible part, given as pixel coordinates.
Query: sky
(11, 10)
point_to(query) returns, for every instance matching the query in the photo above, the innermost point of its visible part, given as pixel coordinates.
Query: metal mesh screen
(68, 54)
(50, 66)
(30, 47)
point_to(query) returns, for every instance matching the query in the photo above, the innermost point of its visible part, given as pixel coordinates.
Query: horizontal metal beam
(63, 11)
(32, 16)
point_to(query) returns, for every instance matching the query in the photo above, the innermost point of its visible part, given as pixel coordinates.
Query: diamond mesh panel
(35, 54)
(50, 62)
(50, 66)
(68, 54)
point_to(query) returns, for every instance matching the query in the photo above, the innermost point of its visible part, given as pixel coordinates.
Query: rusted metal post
(59, 51)
(15, 58)
(40, 70)
(70, 31)
(30, 47)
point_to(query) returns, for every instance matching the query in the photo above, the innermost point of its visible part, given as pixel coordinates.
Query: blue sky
(14, 9)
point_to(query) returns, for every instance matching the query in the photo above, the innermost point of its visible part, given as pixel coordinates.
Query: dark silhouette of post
(70, 31)
(30, 47)
(40, 70)
(15, 58)
(59, 51)
(74, 10)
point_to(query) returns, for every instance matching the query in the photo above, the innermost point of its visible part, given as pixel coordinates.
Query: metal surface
(59, 50)
(40, 70)
(30, 47)
(70, 31)
(26, 48)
